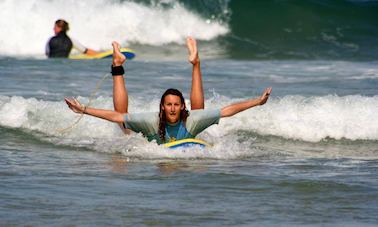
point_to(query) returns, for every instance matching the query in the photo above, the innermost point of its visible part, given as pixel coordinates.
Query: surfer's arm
(90, 52)
(81, 48)
(109, 115)
(235, 108)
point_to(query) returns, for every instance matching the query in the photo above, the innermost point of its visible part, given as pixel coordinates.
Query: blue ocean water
(307, 157)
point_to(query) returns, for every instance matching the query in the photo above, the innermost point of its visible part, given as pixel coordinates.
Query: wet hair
(62, 24)
(162, 118)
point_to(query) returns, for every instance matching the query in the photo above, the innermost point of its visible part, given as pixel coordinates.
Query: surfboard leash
(98, 86)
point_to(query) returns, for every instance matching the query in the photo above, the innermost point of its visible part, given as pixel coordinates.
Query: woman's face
(172, 107)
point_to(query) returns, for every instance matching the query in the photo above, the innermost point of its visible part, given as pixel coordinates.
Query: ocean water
(307, 157)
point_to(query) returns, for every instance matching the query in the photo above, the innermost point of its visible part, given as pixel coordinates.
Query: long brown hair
(162, 119)
(63, 25)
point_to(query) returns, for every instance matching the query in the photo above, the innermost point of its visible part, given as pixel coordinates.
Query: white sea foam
(315, 118)
(26, 25)
(299, 118)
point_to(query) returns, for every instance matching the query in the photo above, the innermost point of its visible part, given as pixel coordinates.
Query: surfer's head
(172, 109)
(61, 26)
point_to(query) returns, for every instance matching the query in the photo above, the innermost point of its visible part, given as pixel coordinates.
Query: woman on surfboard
(60, 45)
(173, 121)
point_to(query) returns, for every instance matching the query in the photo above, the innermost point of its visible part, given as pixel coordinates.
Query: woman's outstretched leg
(196, 95)
(120, 96)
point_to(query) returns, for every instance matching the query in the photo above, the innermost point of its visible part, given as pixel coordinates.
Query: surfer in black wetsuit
(60, 45)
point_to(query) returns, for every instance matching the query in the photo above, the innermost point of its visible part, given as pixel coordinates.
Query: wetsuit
(148, 124)
(59, 46)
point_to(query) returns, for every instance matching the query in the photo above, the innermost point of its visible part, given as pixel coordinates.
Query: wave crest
(309, 119)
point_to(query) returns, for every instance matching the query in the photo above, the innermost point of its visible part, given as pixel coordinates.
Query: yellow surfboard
(186, 143)
(105, 54)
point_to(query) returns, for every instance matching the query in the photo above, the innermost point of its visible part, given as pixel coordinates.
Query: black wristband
(117, 70)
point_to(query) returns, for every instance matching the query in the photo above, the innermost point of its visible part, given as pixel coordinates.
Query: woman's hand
(75, 105)
(264, 97)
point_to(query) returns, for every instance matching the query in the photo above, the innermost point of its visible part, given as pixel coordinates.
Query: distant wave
(309, 119)
(27, 25)
(345, 30)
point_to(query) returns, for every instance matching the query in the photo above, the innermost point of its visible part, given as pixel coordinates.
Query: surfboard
(186, 143)
(105, 54)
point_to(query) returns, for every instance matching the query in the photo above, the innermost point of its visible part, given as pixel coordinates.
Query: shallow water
(284, 163)
(44, 184)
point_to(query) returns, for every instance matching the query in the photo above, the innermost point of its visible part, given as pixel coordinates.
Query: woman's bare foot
(193, 52)
(118, 57)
